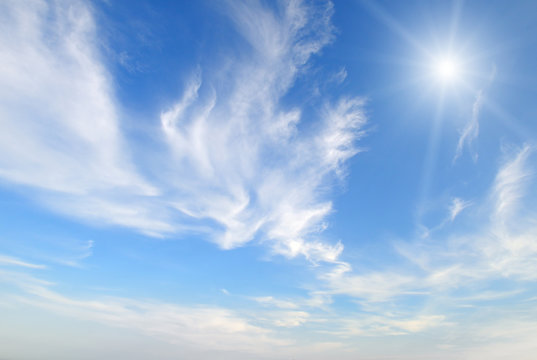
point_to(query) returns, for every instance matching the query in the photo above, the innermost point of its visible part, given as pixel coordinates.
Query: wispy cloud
(371, 287)
(392, 325)
(61, 134)
(457, 205)
(61, 127)
(510, 183)
(8, 260)
(242, 159)
(287, 319)
(501, 245)
(75, 254)
(209, 327)
(270, 300)
(314, 301)
(238, 167)
(471, 129)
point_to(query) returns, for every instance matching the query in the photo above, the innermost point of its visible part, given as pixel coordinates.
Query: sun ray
(383, 16)
(454, 26)
(430, 159)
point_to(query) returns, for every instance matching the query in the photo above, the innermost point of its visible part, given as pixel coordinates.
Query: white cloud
(71, 253)
(314, 301)
(60, 124)
(61, 131)
(386, 325)
(418, 324)
(509, 184)
(471, 130)
(270, 300)
(241, 160)
(374, 286)
(237, 159)
(504, 333)
(502, 244)
(340, 76)
(206, 327)
(457, 205)
(8, 260)
(288, 319)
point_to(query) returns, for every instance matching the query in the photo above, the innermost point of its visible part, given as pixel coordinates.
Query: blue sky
(268, 180)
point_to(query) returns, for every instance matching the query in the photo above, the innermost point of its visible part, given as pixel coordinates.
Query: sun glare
(446, 70)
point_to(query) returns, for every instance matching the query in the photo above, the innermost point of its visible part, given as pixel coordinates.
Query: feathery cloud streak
(502, 245)
(236, 159)
(241, 158)
(213, 328)
(471, 129)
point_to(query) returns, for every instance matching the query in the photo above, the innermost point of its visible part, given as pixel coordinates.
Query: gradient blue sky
(268, 180)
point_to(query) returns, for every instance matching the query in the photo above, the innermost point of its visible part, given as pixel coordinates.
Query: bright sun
(446, 70)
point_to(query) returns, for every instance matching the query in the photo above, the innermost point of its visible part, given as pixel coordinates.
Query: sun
(446, 69)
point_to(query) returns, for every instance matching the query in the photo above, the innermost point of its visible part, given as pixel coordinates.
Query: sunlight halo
(446, 70)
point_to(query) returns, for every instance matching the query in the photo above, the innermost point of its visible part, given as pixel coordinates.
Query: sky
(268, 179)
